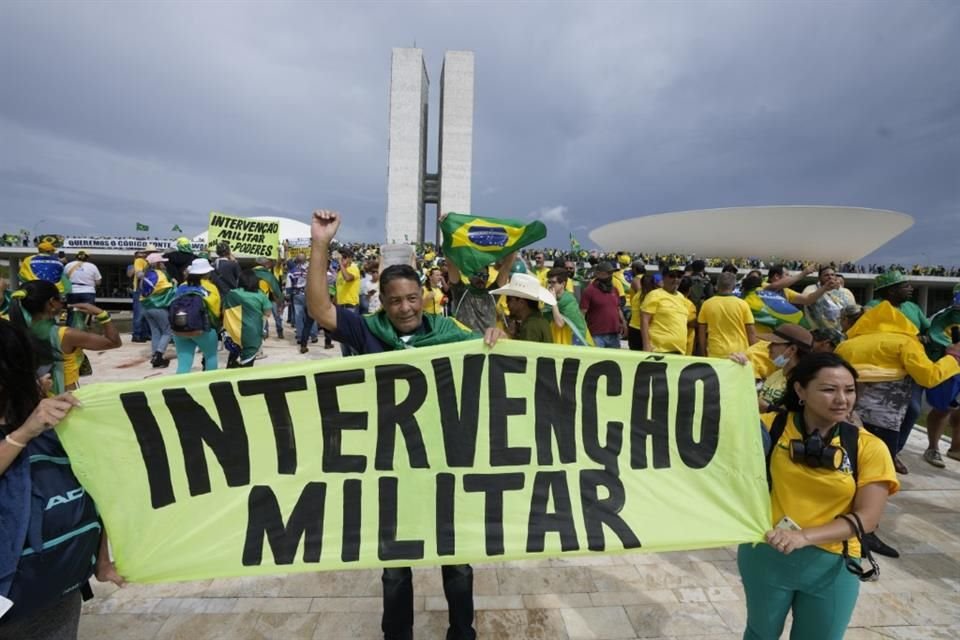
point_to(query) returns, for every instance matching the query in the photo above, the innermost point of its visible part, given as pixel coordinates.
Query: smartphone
(787, 523)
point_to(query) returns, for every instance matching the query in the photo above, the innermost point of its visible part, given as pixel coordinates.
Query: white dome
(815, 233)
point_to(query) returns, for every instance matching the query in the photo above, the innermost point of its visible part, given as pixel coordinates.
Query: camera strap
(857, 525)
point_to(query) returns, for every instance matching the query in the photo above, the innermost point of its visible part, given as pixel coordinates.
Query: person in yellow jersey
(539, 268)
(664, 315)
(829, 485)
(725, 323)
(348, 288)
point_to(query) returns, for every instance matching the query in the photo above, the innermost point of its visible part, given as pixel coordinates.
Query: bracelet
(18, 445)
(103, 317)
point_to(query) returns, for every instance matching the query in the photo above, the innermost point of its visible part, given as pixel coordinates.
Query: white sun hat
(524, 285)
(199, 267)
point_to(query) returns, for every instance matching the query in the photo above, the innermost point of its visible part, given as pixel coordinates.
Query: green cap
(889, 279)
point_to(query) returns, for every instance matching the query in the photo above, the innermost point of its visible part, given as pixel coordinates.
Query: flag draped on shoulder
(473, 242)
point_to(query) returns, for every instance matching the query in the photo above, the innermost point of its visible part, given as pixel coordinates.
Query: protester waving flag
(574, 244)
(771, 309)
(473, 242)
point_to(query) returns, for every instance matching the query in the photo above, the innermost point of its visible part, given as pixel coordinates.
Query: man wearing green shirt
(524, 295)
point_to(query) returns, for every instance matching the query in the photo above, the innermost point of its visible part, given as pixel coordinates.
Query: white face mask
(781, 361)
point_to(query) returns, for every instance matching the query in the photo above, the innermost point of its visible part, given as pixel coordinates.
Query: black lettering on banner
(697, 455)
(603, 454)
(501, 408)
(650, 416)
(446, 528)
(152, 449)
(391, 414)
(352, 513)
(265, 520)
(597, 512)
(459, 422)
(333, 421)
(195, 428)
(493, 485)
(389, 548)
(545, 484)
(274, 391)
(217, 221)
(555, 410)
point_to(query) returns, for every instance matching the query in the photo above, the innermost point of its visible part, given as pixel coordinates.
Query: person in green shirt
(524, 295)
(895, 288)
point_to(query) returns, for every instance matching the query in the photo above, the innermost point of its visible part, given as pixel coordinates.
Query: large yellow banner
(440, 455)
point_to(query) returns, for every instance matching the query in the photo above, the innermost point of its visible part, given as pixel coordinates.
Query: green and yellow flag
(142, 227)
(473, 242)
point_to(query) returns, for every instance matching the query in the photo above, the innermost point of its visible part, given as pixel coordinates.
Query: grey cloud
(614, 109)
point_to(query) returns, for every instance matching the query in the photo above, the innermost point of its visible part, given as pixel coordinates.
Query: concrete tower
(409, 186)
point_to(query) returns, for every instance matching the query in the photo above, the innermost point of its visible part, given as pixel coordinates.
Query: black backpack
(188, 312)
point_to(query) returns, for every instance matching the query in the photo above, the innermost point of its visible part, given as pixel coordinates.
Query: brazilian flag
(771, 309)
(269, 283)
(243, 313)
(142, 227)
(473, 242)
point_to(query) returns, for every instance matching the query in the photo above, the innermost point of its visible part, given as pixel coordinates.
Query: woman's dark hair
(249, 281)
(194, 279)
(750, 283)
(38, 294)
(806, 370)
(19, 391)
(685, 283)
(398, 272)
(730, 268)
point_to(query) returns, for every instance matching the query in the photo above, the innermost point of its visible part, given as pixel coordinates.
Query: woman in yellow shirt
(812, 551)
(434, 296)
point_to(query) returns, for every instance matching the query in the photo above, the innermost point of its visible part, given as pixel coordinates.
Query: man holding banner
(400, 324)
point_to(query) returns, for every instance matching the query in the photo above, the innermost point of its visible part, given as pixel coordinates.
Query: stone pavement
(684, 595)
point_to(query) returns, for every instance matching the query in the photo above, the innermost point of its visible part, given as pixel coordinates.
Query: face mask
(781, 361)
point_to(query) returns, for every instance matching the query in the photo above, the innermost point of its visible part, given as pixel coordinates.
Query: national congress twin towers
(409, 186)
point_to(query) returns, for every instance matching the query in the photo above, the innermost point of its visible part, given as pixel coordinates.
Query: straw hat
(523, 285)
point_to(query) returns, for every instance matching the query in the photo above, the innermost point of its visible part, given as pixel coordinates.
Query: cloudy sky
(585, 113)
